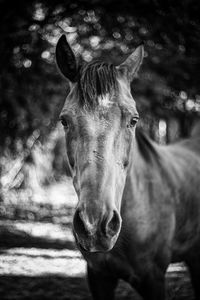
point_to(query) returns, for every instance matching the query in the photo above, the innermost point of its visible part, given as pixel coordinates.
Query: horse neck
(142, 174)
(137, 170)
(140, 167)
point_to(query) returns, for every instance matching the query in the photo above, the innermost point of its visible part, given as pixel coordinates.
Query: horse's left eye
(132, 122)
(64, 122)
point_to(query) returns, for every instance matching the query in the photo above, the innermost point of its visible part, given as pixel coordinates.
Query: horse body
(139, 203)
(161, 220)
(186, 170)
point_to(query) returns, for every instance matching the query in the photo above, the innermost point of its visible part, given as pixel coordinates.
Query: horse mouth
(92, 245)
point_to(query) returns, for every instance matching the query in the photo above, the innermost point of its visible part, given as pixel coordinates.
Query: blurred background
(37, 200)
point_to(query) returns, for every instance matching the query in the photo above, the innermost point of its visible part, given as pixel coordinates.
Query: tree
(32, 90)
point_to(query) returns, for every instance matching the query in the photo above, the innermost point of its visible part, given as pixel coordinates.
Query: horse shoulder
(185, 166)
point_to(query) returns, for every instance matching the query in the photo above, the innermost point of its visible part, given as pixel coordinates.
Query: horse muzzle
(96, 235)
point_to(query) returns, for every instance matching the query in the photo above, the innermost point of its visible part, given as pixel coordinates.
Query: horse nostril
(113, 224)
(78, 223)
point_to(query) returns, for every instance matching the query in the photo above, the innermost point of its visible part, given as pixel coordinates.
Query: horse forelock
(96, 80)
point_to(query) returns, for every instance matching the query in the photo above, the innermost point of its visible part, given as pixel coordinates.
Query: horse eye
(65, 123)
(132, 122)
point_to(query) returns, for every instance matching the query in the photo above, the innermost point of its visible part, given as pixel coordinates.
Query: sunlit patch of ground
(45, 230)
(43, 272)
(39, 260)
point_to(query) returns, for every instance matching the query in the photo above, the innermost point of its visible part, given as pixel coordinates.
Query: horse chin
(92, 246)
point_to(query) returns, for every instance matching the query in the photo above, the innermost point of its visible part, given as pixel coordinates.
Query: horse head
(99, 118)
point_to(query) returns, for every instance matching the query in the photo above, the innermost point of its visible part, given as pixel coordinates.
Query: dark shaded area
(59, 287)
(10, 237)
(44, 287)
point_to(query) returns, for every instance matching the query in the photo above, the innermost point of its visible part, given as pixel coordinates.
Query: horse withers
(139, 203)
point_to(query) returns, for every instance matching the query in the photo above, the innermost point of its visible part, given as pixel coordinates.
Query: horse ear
(66, 59)
(132, 64)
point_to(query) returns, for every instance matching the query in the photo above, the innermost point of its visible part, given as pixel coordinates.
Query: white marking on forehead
(104, 100)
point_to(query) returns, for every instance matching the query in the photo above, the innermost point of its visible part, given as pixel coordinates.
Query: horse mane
(96, 79)
(146, 147)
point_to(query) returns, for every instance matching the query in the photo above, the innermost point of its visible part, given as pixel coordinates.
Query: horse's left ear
(132, 64)
(66, 59)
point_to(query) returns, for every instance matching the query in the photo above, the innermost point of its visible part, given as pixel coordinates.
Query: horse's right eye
(65, 123)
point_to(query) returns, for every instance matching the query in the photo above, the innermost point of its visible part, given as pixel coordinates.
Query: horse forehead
(100, 121)
(73, 106)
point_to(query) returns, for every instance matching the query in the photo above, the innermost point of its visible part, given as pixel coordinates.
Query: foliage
(32, 90)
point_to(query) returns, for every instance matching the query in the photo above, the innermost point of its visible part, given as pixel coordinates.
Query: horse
(138, 202)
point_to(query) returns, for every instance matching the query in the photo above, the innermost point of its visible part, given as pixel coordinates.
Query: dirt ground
(40, 261)
(38, 256)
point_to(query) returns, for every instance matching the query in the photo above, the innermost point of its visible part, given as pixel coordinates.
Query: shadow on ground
(44, 287)
(35, 267)
(64, 288)
(53, 288)
(11, 237)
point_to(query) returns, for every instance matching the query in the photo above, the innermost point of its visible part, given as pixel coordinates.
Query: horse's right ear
(66, 59)
(132, 64)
